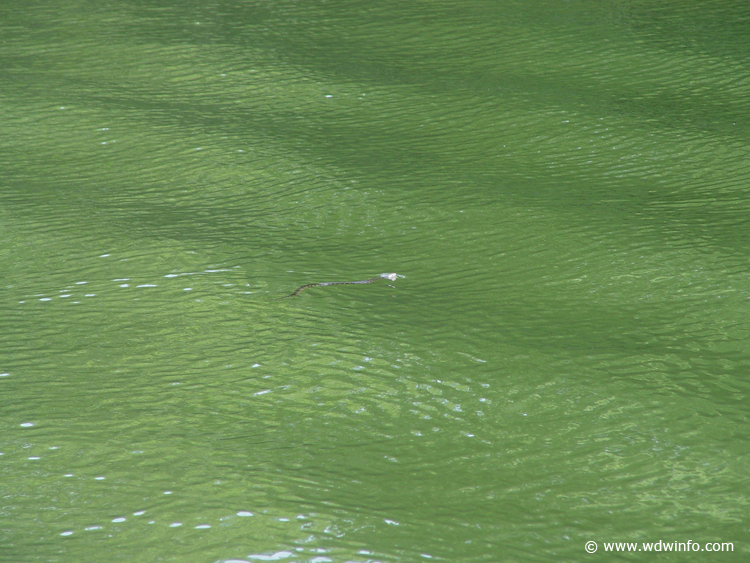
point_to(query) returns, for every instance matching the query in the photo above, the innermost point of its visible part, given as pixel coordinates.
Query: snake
(302, 288)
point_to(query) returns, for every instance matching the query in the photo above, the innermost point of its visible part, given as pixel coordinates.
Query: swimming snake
(302, 288)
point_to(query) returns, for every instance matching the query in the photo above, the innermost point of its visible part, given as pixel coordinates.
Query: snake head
(392, 277)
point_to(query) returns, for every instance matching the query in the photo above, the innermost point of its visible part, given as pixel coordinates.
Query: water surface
(563, 186)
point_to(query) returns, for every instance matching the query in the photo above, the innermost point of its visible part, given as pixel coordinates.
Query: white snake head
(392, 277)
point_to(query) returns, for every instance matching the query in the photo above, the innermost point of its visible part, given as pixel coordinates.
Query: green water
(563, 186)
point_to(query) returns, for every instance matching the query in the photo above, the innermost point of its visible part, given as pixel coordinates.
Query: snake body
(302, 288)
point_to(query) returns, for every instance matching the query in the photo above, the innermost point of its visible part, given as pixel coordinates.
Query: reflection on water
(562, 186)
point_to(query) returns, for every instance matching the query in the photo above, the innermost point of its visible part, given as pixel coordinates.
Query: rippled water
(563, 187)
